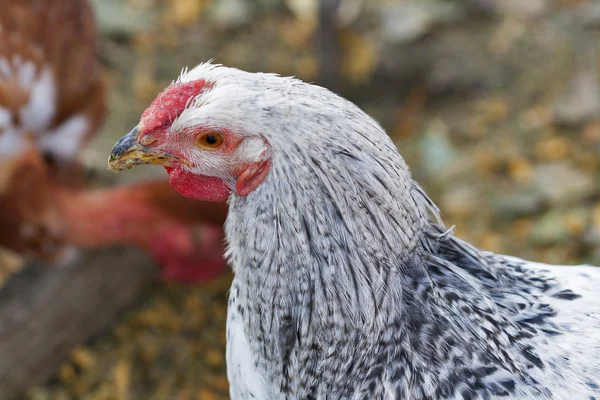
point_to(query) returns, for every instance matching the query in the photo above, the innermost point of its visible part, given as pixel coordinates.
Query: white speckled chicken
(346, 285)
(52, 102)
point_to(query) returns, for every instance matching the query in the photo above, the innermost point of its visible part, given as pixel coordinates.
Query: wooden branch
(45, 312)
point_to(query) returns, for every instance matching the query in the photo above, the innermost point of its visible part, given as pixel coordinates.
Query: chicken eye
(210, 140)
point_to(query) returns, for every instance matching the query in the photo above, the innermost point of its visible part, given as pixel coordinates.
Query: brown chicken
(52, 102)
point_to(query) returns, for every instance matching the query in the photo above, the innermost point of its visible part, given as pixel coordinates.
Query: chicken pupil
(211, 139)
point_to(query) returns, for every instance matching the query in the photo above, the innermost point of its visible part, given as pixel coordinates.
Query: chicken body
(52, 102)
(346, 284)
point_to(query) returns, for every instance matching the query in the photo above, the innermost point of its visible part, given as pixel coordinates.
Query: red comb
(169, 104)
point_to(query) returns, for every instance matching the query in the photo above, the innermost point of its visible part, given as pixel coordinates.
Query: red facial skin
(156, 121)
(154, 126)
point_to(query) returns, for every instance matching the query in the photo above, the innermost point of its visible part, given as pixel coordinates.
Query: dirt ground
(495, 105)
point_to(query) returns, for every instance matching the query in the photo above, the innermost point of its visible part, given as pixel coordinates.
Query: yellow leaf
(307, 68)
(206, 394)
(575, 222)
(83, 358)
(297, 33)
(554, 148)
(520, 169)
(360, 57)
(214, 358)
(121, 376)
(67, 373)
(491, 241)
(186, 12)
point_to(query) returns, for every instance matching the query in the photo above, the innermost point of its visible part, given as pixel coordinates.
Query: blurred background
(494, 104)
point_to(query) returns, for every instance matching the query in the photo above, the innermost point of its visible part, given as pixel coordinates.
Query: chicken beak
(128, 152)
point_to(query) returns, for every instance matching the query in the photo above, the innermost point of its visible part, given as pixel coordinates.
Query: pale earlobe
(251, 177)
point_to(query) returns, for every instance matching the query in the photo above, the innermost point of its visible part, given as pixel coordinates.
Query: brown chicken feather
(57, 36)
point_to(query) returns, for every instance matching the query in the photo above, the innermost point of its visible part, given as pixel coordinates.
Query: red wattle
(199, 187)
